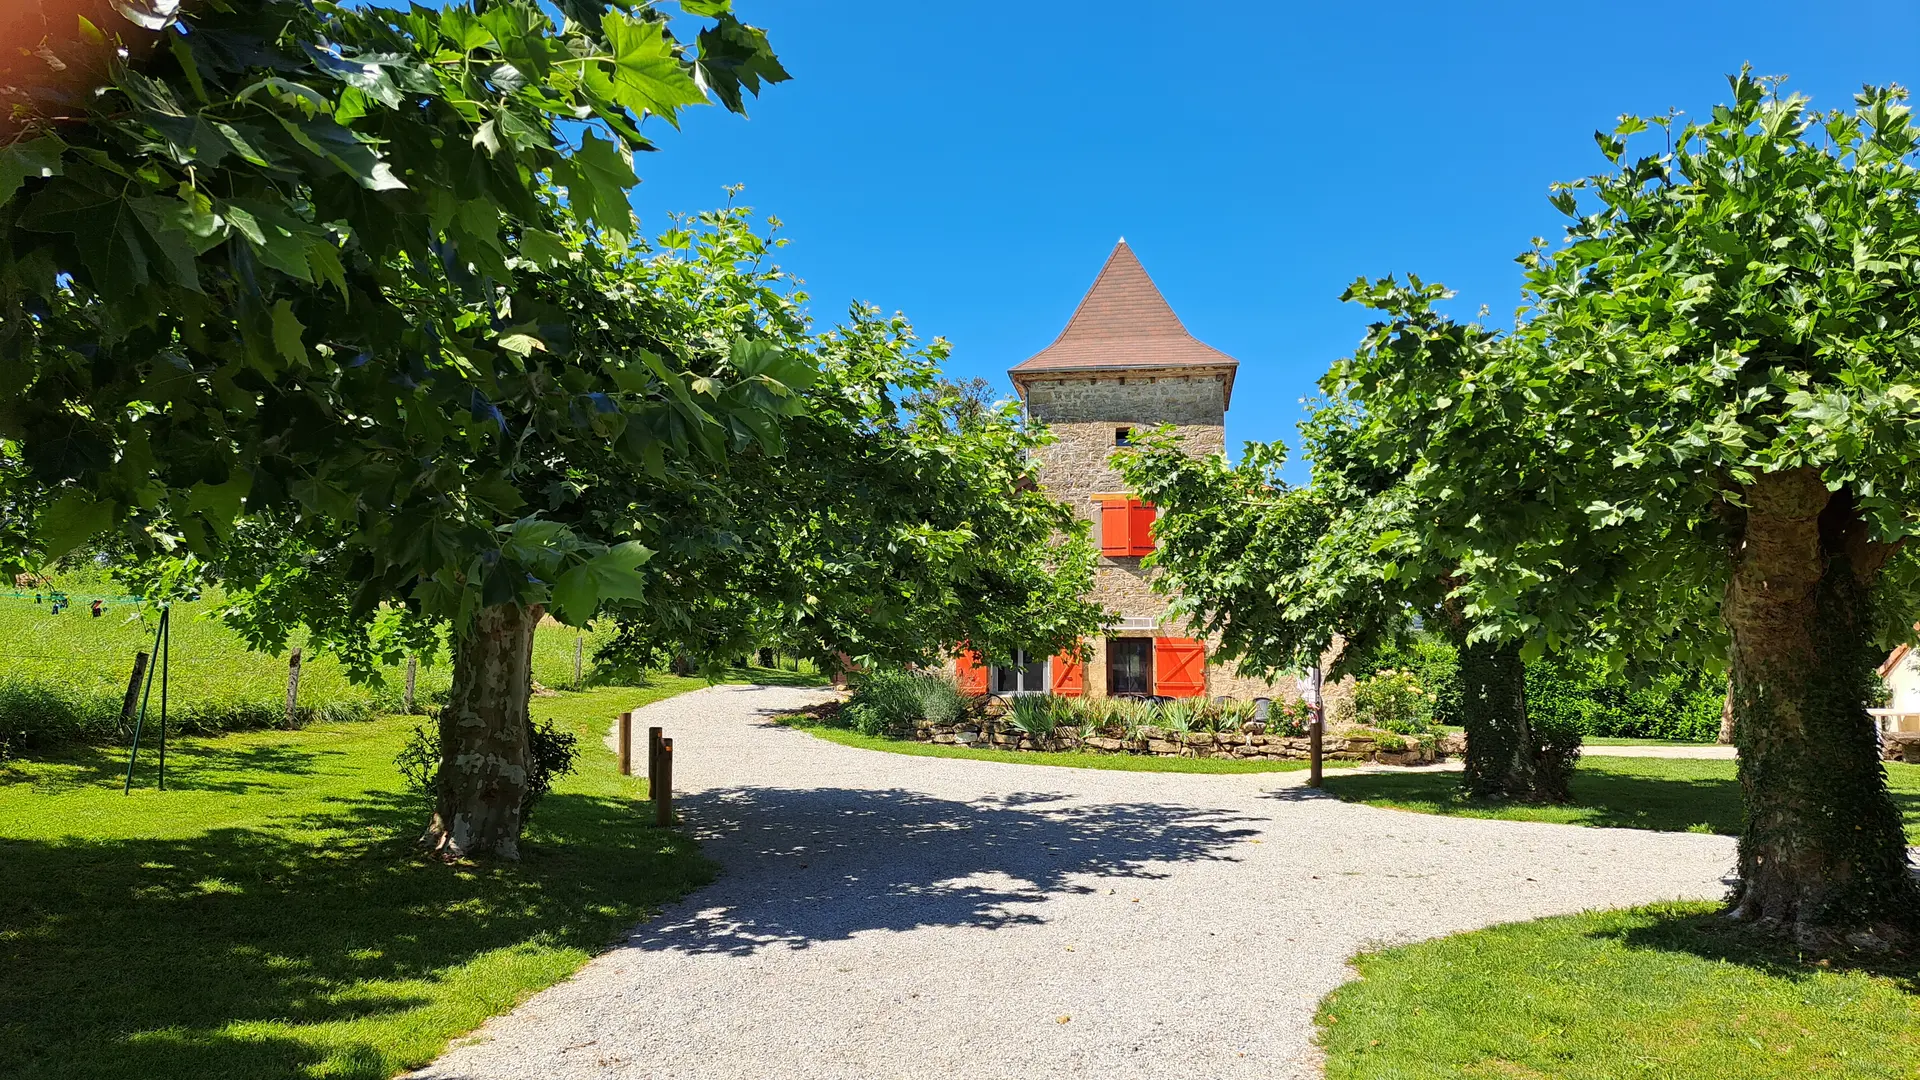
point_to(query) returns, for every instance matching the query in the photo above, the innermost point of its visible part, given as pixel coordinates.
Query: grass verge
(1665, 992)
(1663, 794)
(1060, 759)
(266, 916)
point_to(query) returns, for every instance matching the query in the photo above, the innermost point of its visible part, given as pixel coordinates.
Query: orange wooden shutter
(1179, 667)
(1069, 675)
(1140, 517)
(1115, 539)
(970, 672)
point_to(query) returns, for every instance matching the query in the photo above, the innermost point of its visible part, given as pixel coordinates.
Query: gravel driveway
(886, 916)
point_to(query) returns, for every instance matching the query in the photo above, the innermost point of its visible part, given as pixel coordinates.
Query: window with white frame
(1027, 676)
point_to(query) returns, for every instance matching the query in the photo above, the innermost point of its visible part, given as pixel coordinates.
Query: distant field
(63, 677)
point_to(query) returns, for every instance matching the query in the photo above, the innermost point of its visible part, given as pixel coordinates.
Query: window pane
(1129, 665)
(1005, 680)
(1033, 677)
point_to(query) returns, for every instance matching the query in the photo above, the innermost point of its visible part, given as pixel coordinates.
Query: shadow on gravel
(824, 864)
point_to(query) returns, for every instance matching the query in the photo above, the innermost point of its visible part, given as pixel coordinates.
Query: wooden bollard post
(579, 647)
(626, 744)
(133, 688)
(293, 685)
(663, 794)
(653, 760)
(413, 673)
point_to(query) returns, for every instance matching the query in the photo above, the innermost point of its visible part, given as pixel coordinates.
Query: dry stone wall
(1356, 744)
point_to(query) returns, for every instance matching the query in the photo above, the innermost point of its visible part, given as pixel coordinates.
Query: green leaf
(598, 177)
(521, 344)
(286, 333)
(221, 503)
(647, 76)
(612, 575)
(35, 157)
(279, 239)
(72, 519)
(543, 247)
(460, 26)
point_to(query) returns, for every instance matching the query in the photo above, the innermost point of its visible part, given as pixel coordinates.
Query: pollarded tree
(1282, 574)
(305, 264)
(1724, 357)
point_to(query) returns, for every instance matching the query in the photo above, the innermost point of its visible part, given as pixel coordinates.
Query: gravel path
(886, 916)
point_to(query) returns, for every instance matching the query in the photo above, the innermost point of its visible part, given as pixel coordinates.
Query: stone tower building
(1124, 363)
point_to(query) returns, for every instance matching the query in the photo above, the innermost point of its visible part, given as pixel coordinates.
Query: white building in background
(1901, 673)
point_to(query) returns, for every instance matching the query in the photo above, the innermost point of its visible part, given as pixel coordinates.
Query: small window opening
(1123, 436)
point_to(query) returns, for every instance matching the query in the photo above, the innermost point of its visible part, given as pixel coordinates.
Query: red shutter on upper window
(1179, 667)
(1069, 675)
(1140, 517)
(970, 672)
(1115, 537)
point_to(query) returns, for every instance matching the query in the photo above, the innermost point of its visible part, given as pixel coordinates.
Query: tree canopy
(1699, 442)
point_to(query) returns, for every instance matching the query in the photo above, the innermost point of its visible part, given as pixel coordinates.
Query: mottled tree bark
(1726, 717)
(484, 751)
(1823, 857)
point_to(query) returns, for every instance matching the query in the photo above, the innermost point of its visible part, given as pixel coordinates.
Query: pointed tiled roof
(1124, 322)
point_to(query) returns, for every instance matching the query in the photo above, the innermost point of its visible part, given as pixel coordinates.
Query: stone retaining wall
(1353, 744)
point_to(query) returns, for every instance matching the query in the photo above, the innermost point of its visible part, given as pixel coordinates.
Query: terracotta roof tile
(1124, 322)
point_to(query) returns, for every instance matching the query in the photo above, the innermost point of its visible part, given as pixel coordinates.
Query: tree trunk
(484, 752)
(1726, 717)
(1493, 704)
(1823, 856)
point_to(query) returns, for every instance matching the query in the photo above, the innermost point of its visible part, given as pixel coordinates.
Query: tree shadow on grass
(1695, 795)
(264, 952)
(824, 864)
(1713, 937)
(192, 765)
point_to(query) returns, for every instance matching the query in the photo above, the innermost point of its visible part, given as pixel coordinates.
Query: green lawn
(1661, 993)
(1062, 759)
(1664, 794)
(265, 917)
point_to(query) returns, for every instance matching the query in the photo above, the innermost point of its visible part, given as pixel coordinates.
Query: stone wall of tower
(1084, 410)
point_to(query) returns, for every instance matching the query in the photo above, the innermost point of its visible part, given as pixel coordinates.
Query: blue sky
(972, 165)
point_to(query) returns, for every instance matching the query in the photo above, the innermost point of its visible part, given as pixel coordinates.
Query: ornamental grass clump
(941, 699)
(1035, 715)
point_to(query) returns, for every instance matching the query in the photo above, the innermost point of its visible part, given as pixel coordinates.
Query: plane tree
(1720, 374)
(345, 281)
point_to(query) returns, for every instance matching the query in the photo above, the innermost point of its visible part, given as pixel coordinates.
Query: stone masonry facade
(1125, 364)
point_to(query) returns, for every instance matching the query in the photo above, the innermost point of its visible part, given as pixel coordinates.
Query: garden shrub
(1395, 700)
(1556, 744)
(1580, 691)
(890, 701)
(1568, 689)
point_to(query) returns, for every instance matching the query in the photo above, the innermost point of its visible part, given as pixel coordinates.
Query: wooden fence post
(133, 688)
(663, 795)
(626, 744)
(579, 643)
(413, 669)
(293, 685)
